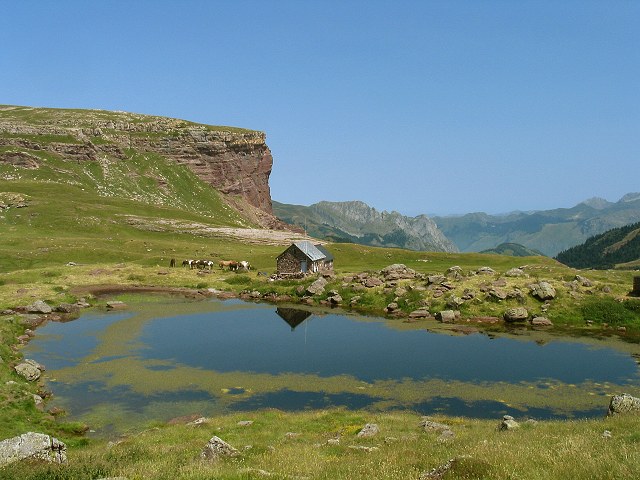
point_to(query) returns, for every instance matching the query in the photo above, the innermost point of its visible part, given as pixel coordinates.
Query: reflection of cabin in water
(304, 257)
(293, 316)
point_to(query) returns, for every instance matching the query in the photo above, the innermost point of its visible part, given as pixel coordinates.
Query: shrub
(607, 310)
(239, 280)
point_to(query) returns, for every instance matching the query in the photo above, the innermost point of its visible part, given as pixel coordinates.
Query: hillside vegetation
(88, 227)
(513, 249)
(616, 248)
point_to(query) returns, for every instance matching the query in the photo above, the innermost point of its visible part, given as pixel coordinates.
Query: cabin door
(303, 266)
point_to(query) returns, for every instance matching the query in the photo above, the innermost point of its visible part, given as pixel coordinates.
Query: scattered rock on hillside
(372, 282)
(485, 271)
(508, 423)
(543, 291)
(448, 316)
(28, 371)
(32, 445)
(67, 308)
(392, 307)
(514, 272)
(317, 287)
(585, 282)
(39, 306)
(624, 403)
(398, 271)
(497, 293)
(335, 299)
(454, 302)
(541, 322)
(369, 430)
(516, 314)
(420, 313)
(430, 426)
(217, 448)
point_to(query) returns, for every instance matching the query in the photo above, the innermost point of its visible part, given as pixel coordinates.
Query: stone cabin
(304, 257)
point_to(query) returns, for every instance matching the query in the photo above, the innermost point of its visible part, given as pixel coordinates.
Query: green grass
(548, 450)
(122, 221)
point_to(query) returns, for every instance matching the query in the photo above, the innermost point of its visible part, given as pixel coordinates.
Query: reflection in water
(293, 316)
(222, 356)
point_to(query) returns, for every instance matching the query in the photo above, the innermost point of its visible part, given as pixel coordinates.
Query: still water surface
(244, 356)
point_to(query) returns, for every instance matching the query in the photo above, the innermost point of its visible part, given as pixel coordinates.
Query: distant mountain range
(356, 222)
(547, 231)
(616, 248)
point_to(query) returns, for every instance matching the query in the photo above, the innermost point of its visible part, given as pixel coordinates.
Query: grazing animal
(230, 264)
(172, 263)
(245, 265)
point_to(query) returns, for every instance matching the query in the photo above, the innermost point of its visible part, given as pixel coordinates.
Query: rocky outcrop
(234, 161)
(624, 403)
(32, 446)
(217, 448)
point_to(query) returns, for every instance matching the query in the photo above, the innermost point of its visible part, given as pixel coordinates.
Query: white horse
(245, 265)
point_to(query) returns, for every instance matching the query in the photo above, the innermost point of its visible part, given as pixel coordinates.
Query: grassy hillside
(619, 247)
(120, 222)
(512, 249)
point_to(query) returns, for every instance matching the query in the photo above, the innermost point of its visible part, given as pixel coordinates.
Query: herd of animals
(231, 265)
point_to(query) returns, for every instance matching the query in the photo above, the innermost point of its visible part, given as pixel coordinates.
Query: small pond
(168, 357)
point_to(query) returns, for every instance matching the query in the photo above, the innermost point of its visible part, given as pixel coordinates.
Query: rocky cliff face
(234, 161)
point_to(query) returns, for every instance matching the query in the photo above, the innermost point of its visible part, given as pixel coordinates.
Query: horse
(172, 263)
(245, 265)
(230, 264)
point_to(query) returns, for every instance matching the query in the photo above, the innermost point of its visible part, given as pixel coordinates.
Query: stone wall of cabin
(289, 261)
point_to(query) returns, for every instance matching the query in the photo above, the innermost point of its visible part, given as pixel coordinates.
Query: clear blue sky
(415, 106)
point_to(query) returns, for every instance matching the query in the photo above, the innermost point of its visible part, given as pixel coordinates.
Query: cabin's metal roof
(327, 254)
(310, 250)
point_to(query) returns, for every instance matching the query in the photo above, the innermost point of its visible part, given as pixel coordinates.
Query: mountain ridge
(549, 231)
(355, 221)
(236, 162)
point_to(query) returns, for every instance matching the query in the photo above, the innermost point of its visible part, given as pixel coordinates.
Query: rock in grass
(516, 314)
(541, 322)
(32, 445)
(508, 423)
(448, 316)
(217, 448)
(543, 291)
(39, 306)
(369, 430)
(28, 371)
(624, 403)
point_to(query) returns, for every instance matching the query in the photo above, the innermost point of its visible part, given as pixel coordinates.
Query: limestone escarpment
(236, 162)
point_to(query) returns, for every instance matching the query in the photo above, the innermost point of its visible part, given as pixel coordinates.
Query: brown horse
(230, 264)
